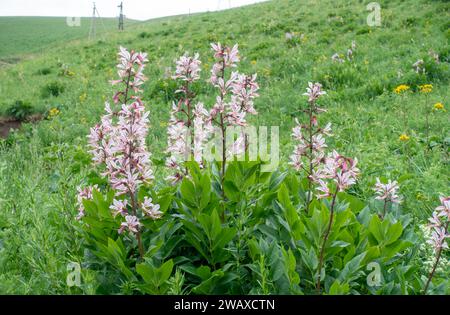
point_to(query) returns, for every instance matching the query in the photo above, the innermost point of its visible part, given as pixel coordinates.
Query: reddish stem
(438, 257)
(325, 238)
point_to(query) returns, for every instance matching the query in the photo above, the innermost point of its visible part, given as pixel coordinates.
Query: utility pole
(92, 30)
(121, 16)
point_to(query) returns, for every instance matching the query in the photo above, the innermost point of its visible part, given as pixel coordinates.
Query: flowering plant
(309, 153)
(118, 144)
(439, 223)
(267, 244)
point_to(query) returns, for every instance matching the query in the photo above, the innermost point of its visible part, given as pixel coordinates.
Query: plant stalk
(325, 238)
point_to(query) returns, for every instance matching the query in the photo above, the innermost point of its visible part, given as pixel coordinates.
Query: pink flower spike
(437, 240)
(84, 194)
(150, 209)
(387, 191)
(314, 91)
(444, 209)
(119, 207)
(131, 224)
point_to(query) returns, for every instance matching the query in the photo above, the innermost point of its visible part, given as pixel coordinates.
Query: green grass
(41, 167)
(37, 34)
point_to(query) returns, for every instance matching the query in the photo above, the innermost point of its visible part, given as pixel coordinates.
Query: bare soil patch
(8, 124)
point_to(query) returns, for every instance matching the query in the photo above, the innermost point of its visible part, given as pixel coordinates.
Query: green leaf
(231, 191)
(394, 232)
(165, 271)
(291, 215)
(146, 272)
(276, 179)
(188, 191)
(208, 285)
(205, 197)
(339, 289)
(391, 250)
(356, 205)
(155, 278)
(376, 229)
(222, 239)
(351, 268)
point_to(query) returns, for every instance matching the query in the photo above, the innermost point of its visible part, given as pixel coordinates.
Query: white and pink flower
(119, 141)
(387, 192)
(131, 224)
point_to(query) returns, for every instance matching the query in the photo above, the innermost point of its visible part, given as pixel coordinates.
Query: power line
(121, 16)
(95, 15)
(92, 30)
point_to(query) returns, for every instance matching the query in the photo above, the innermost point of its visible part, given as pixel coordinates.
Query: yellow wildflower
(401, 88)
(83, 97)
(438, 106)
(426, 88)
(403, 137)
(420, 196)
(53, 112)
(253, 62)
(266, 72)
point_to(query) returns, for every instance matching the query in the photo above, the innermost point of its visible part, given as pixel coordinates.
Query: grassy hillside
(35, 34)
(41, 167)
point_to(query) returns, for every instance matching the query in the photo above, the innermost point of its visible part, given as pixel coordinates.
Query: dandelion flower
(403, 137)
(426, 88)
(53, 112)
(83, 97)
(438, 106)
(401, 88)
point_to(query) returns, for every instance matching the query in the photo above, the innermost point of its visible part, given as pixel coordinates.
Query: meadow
(26, 35)
(288, 43)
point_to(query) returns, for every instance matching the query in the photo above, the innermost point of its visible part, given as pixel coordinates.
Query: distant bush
(44, 71)
(433, 72)
(144, 35)
(20, 110)
(364, 30)
(164, 88)
(52, 89)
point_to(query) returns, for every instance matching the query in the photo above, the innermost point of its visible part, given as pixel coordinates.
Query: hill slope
(34, 34)
(41, 167)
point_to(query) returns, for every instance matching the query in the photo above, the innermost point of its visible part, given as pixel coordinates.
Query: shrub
(232, 227)
(52, 89)
(144, 35)
(20, 110)
(44, 71)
